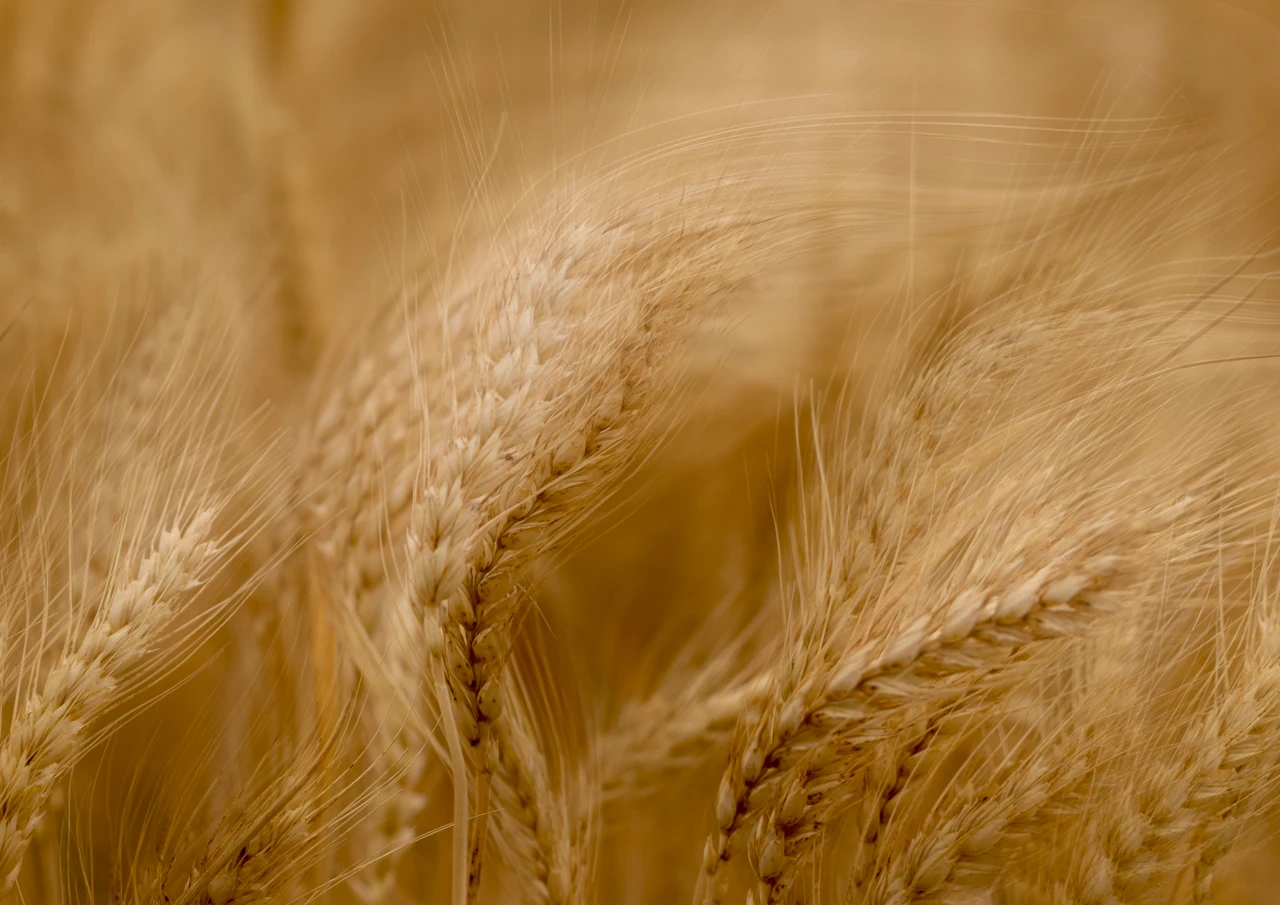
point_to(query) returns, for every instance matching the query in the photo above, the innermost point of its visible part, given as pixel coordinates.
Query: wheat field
(569, 452)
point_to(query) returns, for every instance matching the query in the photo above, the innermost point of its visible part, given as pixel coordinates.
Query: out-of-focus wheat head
(583, 452)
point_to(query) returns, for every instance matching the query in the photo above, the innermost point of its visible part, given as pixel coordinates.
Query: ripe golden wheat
(581, 452)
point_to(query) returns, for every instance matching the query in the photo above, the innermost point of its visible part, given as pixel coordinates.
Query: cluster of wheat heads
(803, 508)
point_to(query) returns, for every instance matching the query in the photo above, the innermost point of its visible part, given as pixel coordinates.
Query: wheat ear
(1022, 538)
(533, 817)
(48, 736)
(987, 630)
(944, 863)
(1138, 848)
(400, 757)
(1244, 731)
(1141, 837)
(666, 732)
(964, 840)
(832, 701)
(559, 386)
(1139, 834)
(262, 846)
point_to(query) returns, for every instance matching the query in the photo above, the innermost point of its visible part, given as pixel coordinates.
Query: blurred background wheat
(594, 451)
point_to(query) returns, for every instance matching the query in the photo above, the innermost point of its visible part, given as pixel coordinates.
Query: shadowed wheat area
(569, 452)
